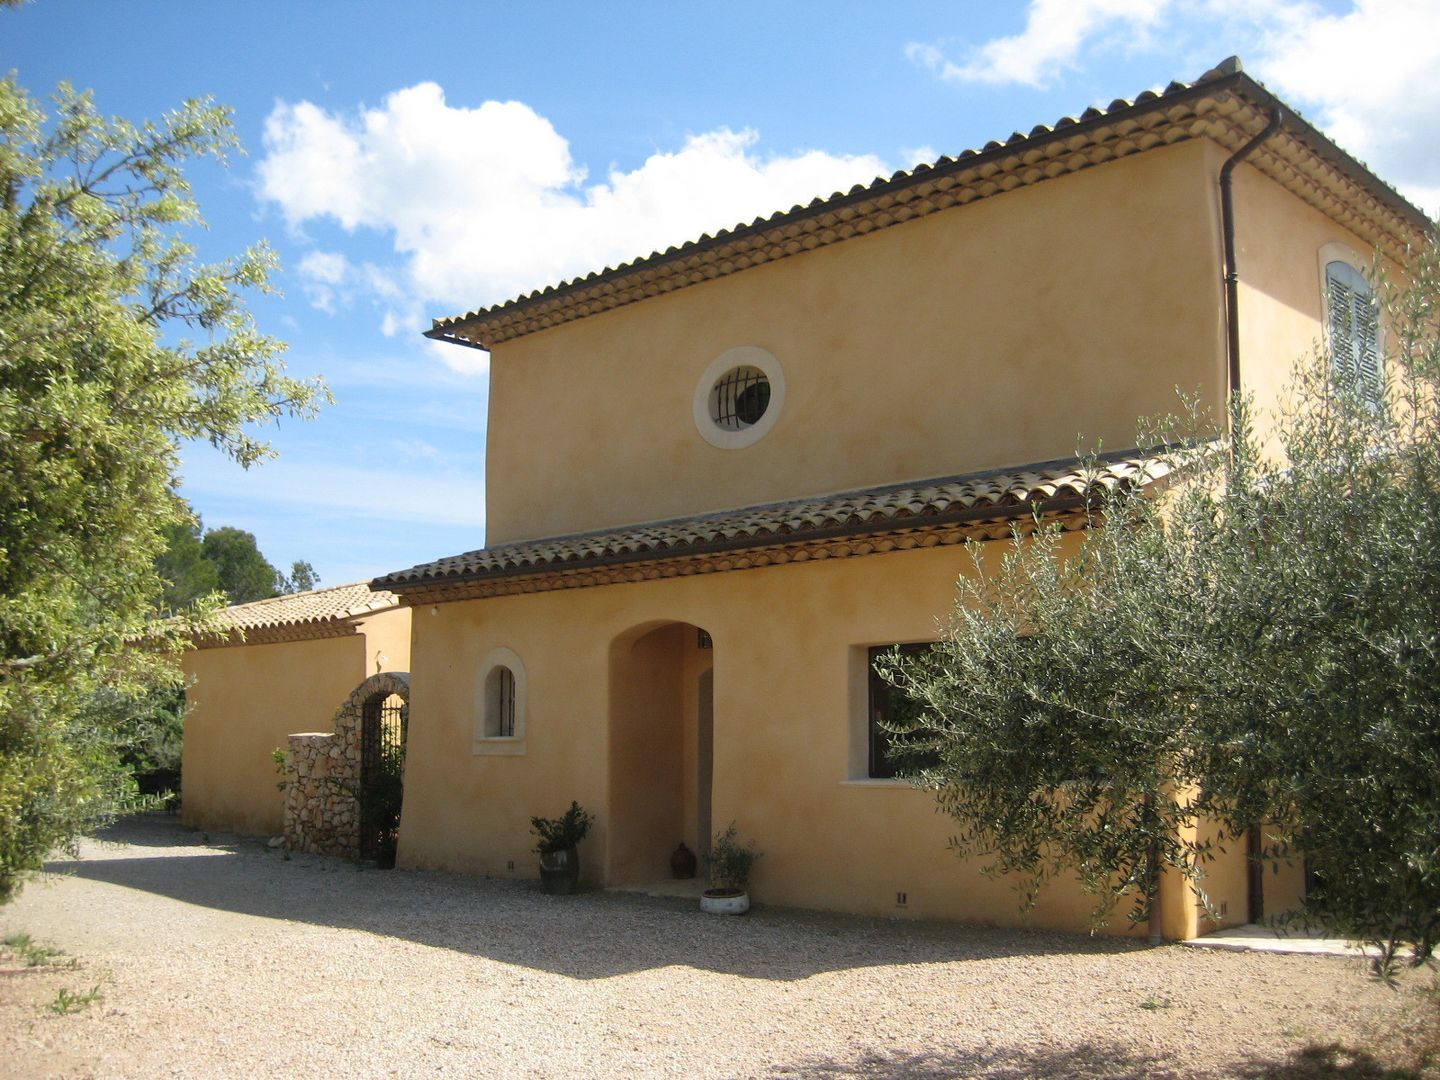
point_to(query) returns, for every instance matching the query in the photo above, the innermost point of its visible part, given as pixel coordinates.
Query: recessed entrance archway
(661, 749)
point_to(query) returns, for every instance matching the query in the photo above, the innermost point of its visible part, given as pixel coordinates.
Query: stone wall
(322, 776)
(322, 813)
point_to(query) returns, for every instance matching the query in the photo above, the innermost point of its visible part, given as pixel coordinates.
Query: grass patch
(71, 1001)
(34, 954)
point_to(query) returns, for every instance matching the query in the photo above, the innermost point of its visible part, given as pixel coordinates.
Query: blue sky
(420, 159)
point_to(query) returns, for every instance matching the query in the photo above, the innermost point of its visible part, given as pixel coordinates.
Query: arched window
(500, 691)
(1353, 325)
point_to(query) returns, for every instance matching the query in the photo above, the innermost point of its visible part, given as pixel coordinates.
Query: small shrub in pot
(730, 866)
(559, 861)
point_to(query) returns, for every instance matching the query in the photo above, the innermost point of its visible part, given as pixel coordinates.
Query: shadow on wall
(592, 935)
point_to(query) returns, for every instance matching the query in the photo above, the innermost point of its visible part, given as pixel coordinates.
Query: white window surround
(737, 357)
(499, 745)
(1333, 252)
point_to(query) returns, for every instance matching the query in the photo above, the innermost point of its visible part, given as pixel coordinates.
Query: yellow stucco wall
(387, 642)
(1278, 241)
(245, 699)
(610, 714)
(981, 336)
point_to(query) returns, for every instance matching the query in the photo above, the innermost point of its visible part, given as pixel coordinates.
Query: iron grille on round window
(739, 398)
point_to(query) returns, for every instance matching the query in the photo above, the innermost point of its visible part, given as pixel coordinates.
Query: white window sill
(498, 746)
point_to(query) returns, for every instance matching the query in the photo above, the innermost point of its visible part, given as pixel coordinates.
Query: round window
(739, 397)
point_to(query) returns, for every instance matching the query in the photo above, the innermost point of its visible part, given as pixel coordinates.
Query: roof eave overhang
(272, 635)
(788, 233)
(752, 552)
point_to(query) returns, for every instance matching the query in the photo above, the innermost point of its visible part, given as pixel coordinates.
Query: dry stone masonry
(322, 775)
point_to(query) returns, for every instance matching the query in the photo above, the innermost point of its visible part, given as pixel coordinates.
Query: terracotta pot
(682, 863)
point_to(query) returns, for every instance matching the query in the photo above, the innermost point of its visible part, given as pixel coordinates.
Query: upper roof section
(1224, 105)
(874, 520)
(318, 613)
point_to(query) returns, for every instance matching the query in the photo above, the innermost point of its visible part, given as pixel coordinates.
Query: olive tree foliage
(114, 345)
(1259, 644)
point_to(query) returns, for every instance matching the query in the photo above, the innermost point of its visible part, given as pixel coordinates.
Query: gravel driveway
(223, 959)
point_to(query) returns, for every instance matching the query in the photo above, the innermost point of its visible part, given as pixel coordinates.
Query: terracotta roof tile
(999, 494)
(318, 613)
(1224, 104)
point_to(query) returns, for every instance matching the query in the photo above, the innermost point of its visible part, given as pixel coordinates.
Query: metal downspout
(1232, 276)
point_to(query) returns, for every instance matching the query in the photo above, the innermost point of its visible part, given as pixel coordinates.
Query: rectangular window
(891, 705)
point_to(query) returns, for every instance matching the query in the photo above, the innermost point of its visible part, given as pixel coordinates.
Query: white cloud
(1372, 73)
(1055, 33)
(485, 203)
(322, 273)
(459, 358)
(1365, 75)
(911, 156)
(415, 450)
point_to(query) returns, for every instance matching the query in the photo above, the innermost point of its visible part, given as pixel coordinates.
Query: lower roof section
(925, 513)
(319, 613)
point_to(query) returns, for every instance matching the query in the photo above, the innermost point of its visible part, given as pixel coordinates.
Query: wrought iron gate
(383, 724)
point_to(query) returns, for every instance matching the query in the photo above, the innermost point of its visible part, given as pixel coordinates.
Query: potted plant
(559, 861)
(730, 865)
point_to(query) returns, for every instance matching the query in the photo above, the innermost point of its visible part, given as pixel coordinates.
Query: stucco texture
(1278, 245)
(616, 679)
(246, 699)
(984, 336)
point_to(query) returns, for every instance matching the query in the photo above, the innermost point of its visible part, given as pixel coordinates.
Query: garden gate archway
(326, 811)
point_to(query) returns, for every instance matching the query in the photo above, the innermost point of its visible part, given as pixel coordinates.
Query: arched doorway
(661, 749)
(384, 723)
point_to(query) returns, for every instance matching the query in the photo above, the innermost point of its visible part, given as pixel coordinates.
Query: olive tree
(1258, 644)
(115, 345)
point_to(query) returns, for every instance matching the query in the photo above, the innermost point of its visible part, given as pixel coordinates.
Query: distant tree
(226, 560)
(303, 578)
(244, 573)
(186, 574)
(1262, 645)
(114, 345)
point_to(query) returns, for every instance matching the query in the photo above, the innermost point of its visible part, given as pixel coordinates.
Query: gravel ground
(222, 959)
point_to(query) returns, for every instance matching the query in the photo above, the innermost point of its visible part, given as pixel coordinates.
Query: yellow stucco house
(722, 475)
(274, 668)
